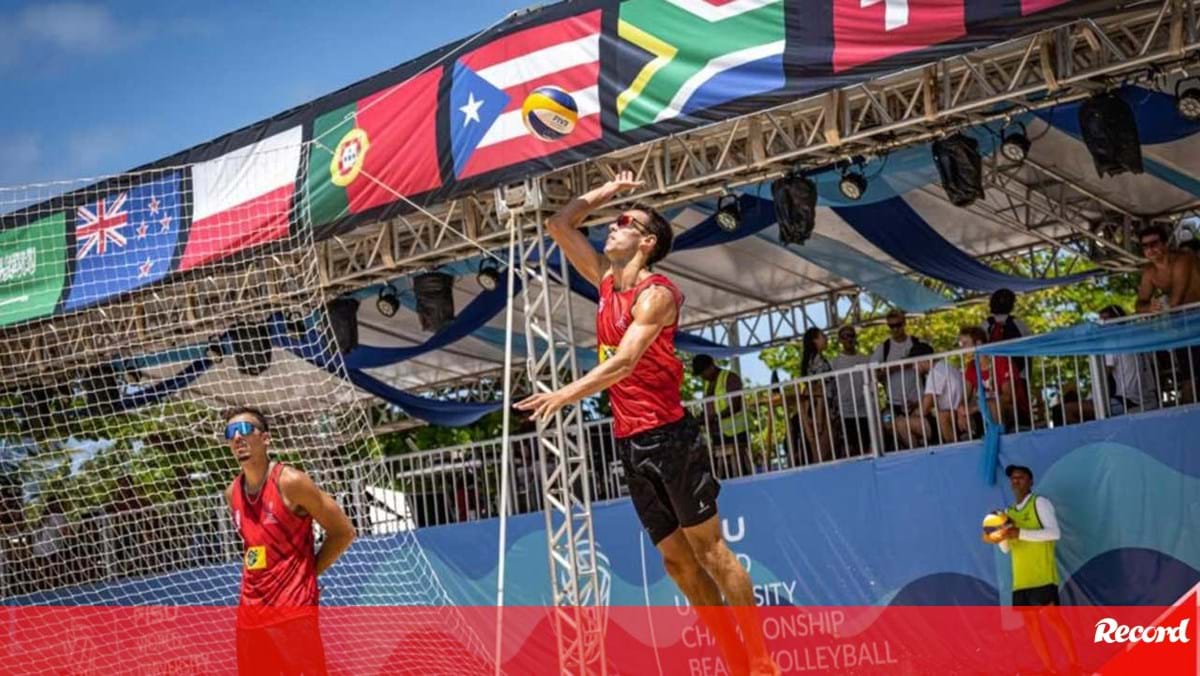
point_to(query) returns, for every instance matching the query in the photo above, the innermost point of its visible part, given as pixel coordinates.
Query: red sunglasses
(627, 221)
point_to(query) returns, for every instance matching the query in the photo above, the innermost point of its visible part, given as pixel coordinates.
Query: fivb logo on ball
(1109, 630)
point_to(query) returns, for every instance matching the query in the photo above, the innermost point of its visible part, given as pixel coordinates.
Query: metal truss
(563, 450)
(159, 318)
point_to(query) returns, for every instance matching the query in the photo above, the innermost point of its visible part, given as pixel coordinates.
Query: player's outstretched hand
(543, 405)
(623, 181)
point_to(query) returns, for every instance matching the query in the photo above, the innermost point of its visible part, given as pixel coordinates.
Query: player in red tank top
(273, 508)
(667, 468)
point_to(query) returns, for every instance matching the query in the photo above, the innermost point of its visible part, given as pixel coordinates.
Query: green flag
(685, 56)
(32, 267)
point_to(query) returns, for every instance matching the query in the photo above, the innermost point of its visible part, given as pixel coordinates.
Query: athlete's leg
(701, 591)
(734, 582)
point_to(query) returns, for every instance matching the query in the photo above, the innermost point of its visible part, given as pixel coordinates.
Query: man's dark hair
(658, 226)
(1002, 302)
(700, 363)
(1155, 229)
(247, 410)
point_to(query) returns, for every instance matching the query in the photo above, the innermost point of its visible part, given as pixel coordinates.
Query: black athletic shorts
(669, 477)
(291, 647)
(1036, 596)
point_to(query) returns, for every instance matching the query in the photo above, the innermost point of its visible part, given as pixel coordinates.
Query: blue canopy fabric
(893, 226)
(1166, 331)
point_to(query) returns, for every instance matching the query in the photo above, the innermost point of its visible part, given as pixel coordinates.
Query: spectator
(941, 402)
(1003, 389)
(851, 394)
(727, 423)
(1171, 278)
(49, 544)
(1131, 380)
(903, 392)
(1001, 324)
(815, 400)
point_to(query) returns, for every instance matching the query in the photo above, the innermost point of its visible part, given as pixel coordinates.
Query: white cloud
(73, 27)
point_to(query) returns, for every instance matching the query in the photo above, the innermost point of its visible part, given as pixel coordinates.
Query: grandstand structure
(259, 324)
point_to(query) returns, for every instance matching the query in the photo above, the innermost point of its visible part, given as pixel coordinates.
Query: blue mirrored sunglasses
(241, 427)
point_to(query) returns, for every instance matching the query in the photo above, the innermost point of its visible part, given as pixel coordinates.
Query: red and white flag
(242, 198)
(865, 31)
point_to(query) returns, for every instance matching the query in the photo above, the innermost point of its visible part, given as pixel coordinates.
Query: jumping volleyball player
(273, 507)
(666, 466)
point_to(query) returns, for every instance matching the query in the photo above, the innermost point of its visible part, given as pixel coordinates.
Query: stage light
(489, 276)
(435, 299)
(729, 213)
(343, 319)
(1110, 132)
(1188, 102)
(960, 167)
(1015, 144)
(795, 207)
(853, 184)
(388, 302)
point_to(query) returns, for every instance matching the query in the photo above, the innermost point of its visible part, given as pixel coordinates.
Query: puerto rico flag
(865, 31)
(490, 84)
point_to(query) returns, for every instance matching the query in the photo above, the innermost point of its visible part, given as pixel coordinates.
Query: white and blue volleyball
(549, 113)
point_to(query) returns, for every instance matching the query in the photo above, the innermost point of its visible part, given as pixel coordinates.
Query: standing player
(273, 507)
(667, 470)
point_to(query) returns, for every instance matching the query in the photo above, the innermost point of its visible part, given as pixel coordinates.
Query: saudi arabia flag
(374, 151)
(33, 262)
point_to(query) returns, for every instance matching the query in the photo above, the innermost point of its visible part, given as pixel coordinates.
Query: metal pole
(505, 450)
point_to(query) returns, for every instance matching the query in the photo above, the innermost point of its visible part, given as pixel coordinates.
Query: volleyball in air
(549, 113)
(994, 525)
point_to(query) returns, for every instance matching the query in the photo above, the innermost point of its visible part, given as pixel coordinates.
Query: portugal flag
(367, 153)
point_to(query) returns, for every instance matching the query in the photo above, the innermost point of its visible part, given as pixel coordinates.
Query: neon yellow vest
(734, 424)
(1032, 562)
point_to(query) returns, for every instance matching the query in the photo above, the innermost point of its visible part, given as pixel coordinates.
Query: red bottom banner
(630, 640)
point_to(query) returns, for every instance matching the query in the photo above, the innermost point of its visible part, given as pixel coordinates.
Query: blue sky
(93, 88)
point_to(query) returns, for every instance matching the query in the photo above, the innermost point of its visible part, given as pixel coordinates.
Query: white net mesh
(134, 311)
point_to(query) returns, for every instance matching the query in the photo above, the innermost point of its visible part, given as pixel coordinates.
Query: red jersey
(278, 551)
(648, 397)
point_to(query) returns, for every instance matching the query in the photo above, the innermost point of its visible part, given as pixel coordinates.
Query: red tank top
(648, 397)
(279, 562)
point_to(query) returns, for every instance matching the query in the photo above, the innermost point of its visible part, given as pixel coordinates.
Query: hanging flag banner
(124, 240)
(242, 198)
(375, 150)
(32, 267)
(490, 84)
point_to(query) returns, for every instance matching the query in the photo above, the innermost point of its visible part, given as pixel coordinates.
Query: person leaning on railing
(902, 391)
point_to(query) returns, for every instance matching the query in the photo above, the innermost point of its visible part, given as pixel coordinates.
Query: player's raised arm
(300, 490)
(564, 226)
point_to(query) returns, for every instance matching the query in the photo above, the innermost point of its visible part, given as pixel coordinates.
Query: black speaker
(343, 317)
(435, 299)
(960, 167)
(251, 347)
(1110, 132)
(795, 208)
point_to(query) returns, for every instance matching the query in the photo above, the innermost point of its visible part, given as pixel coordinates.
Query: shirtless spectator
(1171, 280)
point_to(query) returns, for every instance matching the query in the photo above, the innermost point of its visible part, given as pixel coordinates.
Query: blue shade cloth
(313, 348)
(1165, 331)
(893, 226)
(474, 316)
(1158, 121)
(435, 411)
